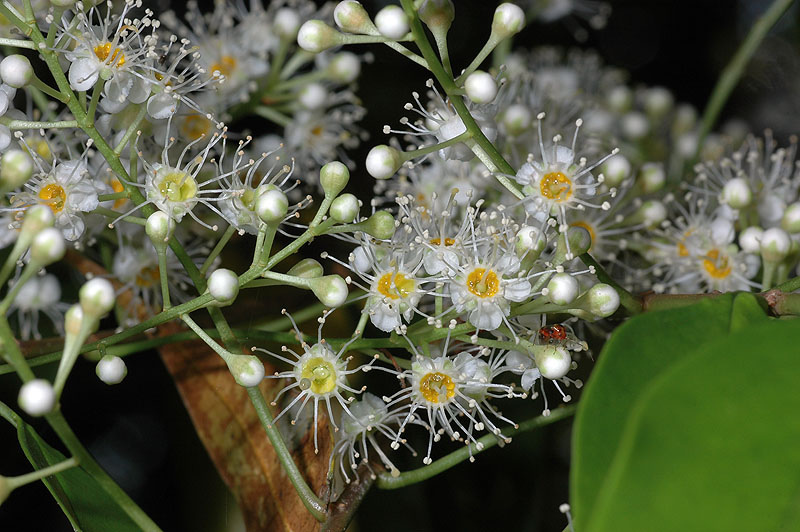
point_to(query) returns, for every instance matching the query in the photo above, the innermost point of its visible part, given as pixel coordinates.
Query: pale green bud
(37, 397)
(562, 289)
(16, 71)
(791, 218)
(383, 161)
(315, 36)
(223, 285)
(331, 290)
(333, 177)
(601, 300)
(307, 269)
(438, 15)
(392, 22)
(47, 247)
(272, 206)
(553, 361)
(480, 87)
(111, 369)
(736, 193)
(73, 319)
(580, 240)
(16, 167)
(247, 370)
(775, 245)
(652, 177)
(159, 227)
(97, 297)
(351, 17)
(381, 225)
(344, 208)
(344, 67)
(508, 20)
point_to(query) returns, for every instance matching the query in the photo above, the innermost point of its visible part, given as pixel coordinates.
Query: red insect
(553, 332)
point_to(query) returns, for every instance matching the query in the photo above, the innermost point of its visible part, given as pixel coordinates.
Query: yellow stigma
(483, 283)
(447, 241)
(53, 196)
(437, 387)
(103, 51)
(148, 276)
(195, 126)
(556, 186)
(716, 266)
(118, 187)
(226, 65)
(320, 373)
(395, 286)
(588, 227)
(178, 186)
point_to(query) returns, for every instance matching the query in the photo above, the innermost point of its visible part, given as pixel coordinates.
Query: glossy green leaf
(637, 353)
(85, 503)
(712, 444)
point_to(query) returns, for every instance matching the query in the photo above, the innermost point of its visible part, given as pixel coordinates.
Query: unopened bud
(615, 170)
(16, 167)
(16, 71)
(530, 241)
(480, 87)
(652, 177)
(47, 247)
(438, 15)
(223, 285)
(37, 397)
(381, 225)
(658, 101)
(286, 23)
(791, 218)
(579, 239)
(508, 20)
(775, 245)
(383, 161)
(160, 228)
(111, 369)
(651, 213)
(517, 119)
(562, 289)
(736, 193)
(552, 361)
(351, 17)
(344, 208)
(750, 239)
(73, 319)
(307, 269)
(37, 218)
(601, 300)
(272, 206)
(312, 96)
(331, 290)
(392, 22)
(315, 36)
(344, 67)
(247, 370)
(333, 177)
(97, 297)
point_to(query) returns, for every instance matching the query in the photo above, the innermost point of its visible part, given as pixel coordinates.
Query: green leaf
(712, 444)
(85, 503)
(636, 354)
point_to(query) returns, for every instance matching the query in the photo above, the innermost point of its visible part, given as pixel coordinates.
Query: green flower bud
(111, 369)
(791, 218)
(307, 269)
(333, 177)
(16, 167)
(775, 245)
(223, 285)
(438, 15)
(272, 206)
(247, 370)
(47, 247)
(553, 361)
(160, 228)
(97, 297)
(37, 397)
(73, 320)
(600, 300)
(351, 17)
(562, 289)
(580, 240)
(381, 225)
(344, 208)
(383, 161)
(315, 36)
(331, 290)
(508, 20)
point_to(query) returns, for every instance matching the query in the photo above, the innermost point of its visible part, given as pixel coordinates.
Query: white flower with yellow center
(559, 180)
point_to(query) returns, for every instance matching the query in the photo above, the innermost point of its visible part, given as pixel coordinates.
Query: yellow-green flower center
(556, 186)
(483, 282)
(437, 387)
(319, 374)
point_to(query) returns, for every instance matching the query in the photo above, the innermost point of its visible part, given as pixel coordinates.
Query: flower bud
(620, 98)
(247, 370)
(344, 209)
(530, 241)
(97, 297)
(344, 67)
(333, 177)
(517, 119)
(652, 177)
(775, 245)
(73, 319)
(601, 300)
(635, 125)
(791, 218)
(331, 290)
(37, 397)
(160, 228)
(392, 22)
(381, 225)
(480, 87)
(615, 170)
(508, 20)
(47, 247)
(651, 213)
(16, 71)
(580, 240)
(562, 289)
(437, 14)
(315, 36)
(736, 193)
(312, 96)
(307, 269)
(16, 167)
(750, 239)
(351, 17)
(383, 161)
(272, 206)
(223, 285)
(553, 361)
(111, 369)
(5, 136)
(37, 218)
(286, 23)
(658, 101)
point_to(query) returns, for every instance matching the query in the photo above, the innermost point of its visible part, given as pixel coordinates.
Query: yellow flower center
(53, 196)
(437, 387)
(395, 285)
(316, 131)
(556, 186)
(226, 65)
(447, 241)
(483, 283)
(683, 251)
(103, 51)
(717, 266)
(319, 374)
(195, 126)
(178, 186)
(148, 276)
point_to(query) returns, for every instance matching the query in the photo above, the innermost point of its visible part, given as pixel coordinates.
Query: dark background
(140, 431)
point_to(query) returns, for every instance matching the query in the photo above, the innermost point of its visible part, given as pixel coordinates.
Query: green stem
(310, 500)
(39, 474)
(733, 71)
(12, 353)
(137, 120)
(15, 125)
(161, 252)
(218, 249)
(490, 45)
(789, 286)
(29, 271)
(388, 482)
(112, 196)
(272, 115)
(47, 89)
(90, 113)
(17, 43)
